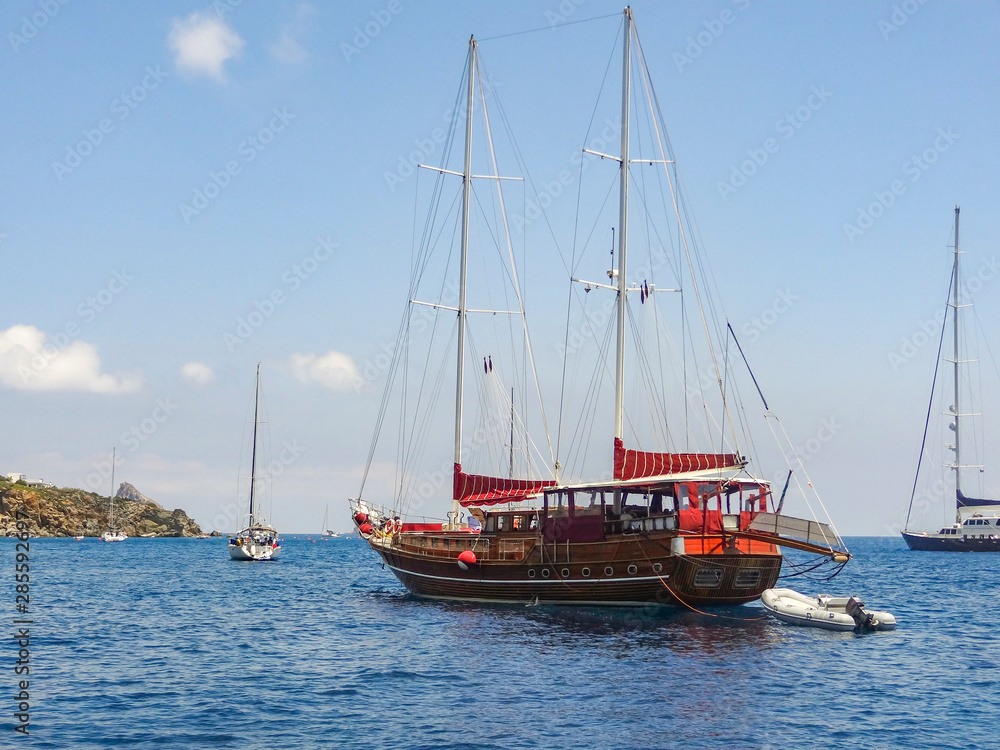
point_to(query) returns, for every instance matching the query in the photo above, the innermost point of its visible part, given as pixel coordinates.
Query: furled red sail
(475, 489)
(631, 464)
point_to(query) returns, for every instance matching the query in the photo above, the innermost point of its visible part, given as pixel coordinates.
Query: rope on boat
(681, 600)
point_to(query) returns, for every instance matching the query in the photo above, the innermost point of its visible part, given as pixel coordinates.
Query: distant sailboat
(977, 521)
(258, 540)
(327, 531)
(113, 534)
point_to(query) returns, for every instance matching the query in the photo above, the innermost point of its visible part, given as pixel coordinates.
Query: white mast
(253, 450)
(466, 194)
(957, 408)
(111, 512)
(623, 236)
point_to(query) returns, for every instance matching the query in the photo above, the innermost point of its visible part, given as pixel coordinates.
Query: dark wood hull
(924, 542)
(631, 570)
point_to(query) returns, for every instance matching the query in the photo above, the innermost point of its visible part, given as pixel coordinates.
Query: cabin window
(491, 523)
(708, 578)
(517, 523)
(747, 578)
(533, 523)
(500, 523)
(434, 542)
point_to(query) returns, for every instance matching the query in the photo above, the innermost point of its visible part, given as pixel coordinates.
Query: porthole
(545, 572)
(565, 572)
(585, 572)
(609, 571)
(531, 572)
(657, 567)
(632, 570)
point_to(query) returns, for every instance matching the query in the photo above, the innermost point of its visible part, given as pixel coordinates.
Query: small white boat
(258, 540)
(113, 534)
(823, 611)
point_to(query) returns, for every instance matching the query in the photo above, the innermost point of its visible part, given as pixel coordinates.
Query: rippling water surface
(169, 644)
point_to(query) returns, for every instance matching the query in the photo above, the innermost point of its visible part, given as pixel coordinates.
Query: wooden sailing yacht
(977, 520)
(257, 540)
(666, 527)
(114, 533)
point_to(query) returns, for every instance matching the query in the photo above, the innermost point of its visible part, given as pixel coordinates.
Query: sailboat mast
(466, 195)
(623, 234)
(111, 514)
(958, 410)
(253, 452)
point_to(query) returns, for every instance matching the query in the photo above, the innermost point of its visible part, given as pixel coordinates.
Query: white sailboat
(258, 540)
(327, 531)
(977, 520)
(113, 534)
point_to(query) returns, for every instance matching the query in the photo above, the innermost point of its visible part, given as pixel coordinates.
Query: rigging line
(798, 484)
(591, 396)
(644, 373)
(756, 385)
(930, 405)
(687, 252)
(548, 28)
(513, 270)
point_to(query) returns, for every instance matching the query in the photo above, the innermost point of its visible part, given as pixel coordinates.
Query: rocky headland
(52, 511)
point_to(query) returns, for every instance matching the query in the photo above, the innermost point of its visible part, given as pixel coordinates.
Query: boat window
(500, 523)
(491, 523)
(517, 523)
(708, 578)
(533, 523)
(747, 578)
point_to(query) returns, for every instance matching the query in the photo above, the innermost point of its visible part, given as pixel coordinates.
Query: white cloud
(29, 363)
(195, 373)
(203, 44)
(334, 370)
(286, 48)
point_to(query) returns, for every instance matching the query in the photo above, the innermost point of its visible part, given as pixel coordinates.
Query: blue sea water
(168, 644)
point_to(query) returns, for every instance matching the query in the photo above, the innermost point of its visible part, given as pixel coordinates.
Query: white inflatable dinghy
(830, 612)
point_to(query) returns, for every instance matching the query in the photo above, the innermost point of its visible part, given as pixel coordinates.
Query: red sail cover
(638, 464)
(473, 489)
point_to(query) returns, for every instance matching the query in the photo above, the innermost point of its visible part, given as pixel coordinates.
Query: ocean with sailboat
(580, 537)
(180, 648)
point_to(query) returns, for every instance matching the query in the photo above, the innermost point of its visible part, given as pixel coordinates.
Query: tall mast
(466, 194)
(253, 452)
(111, 514)
(623, 234)
(958, 410)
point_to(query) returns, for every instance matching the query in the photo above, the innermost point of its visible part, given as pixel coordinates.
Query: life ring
(393, 526)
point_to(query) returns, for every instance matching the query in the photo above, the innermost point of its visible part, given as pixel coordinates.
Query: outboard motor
(862, 620)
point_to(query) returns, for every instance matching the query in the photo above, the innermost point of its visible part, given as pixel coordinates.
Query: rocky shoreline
(52, 511)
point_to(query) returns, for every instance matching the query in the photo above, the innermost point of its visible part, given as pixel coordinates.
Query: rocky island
(52, 511)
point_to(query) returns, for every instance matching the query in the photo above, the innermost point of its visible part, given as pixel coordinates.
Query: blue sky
(192, 188)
